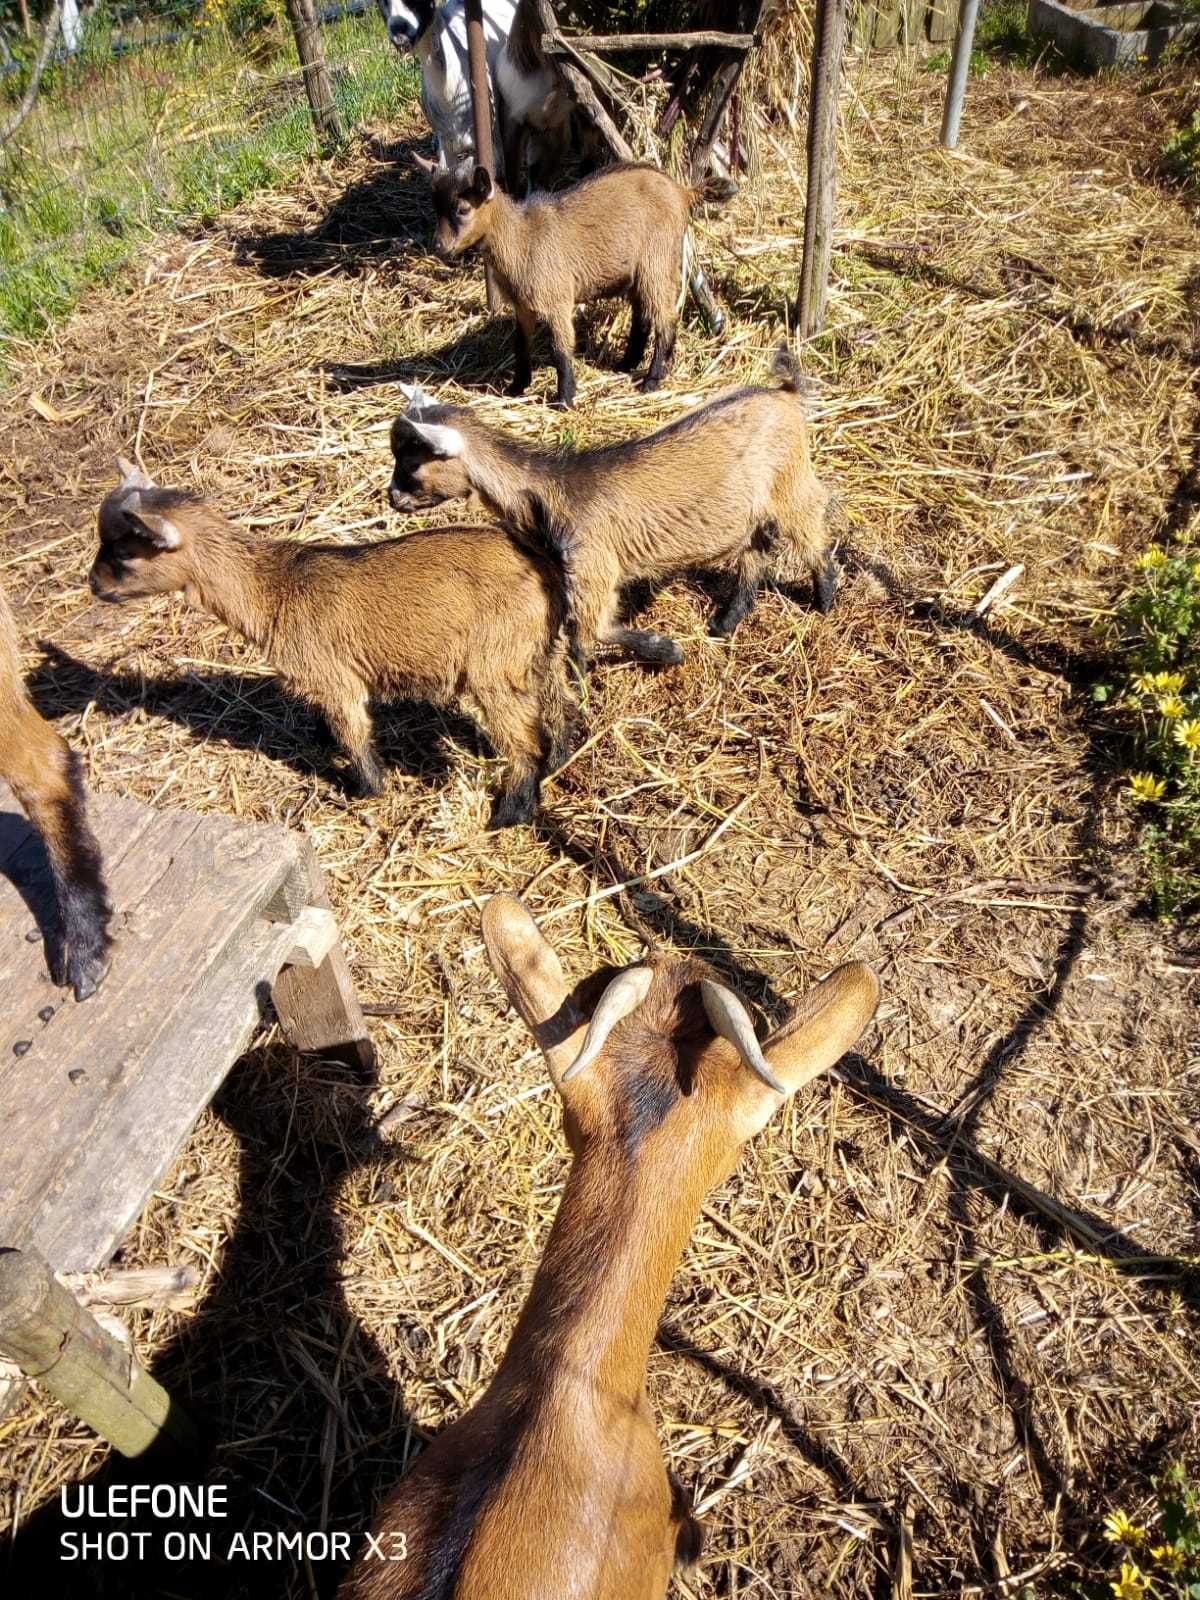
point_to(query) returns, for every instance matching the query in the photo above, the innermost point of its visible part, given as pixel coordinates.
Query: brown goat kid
(464, 615)
(729, 485)
(620, 231)
(554, 1483)
(45, 776)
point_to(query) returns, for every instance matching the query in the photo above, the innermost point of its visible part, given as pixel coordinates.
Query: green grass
(1001, 33)
(1156, 701)
(118, 152)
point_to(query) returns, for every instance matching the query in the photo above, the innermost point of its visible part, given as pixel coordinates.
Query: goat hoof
(517, 388)
(85, 976)
(508, 813)
(561, 403)
(649, 385)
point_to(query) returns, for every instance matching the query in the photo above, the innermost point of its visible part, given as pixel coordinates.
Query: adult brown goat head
(554, 1483)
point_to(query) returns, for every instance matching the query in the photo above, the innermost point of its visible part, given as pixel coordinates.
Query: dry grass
(871, 1327)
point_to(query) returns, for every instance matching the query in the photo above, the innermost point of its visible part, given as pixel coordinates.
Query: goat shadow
(480, 357)
(256, 714)
(274, 1368)
(377, 217)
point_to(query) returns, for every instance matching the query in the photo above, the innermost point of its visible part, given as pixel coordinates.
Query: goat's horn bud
(623, 995)
(731, 1020)
(132, 503)
(417, 399)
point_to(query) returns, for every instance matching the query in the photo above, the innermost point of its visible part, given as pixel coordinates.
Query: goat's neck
(517, 484)
(236, 582)
(506, 244)
(598, 1294)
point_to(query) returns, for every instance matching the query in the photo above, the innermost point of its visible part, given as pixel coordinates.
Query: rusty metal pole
(481, 114)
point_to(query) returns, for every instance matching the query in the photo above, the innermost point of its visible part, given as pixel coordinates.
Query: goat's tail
(547, 537)
(719, 191)
(786, 368)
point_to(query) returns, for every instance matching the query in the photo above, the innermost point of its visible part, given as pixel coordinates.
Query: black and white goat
(437, 37)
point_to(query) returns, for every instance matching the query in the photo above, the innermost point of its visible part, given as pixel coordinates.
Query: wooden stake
(828, 48)
(50, 1336)
(317, 83)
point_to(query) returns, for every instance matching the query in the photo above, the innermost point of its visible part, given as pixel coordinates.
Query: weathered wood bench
(214, 922)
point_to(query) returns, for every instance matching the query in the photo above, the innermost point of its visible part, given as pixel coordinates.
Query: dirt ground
(953, 1290)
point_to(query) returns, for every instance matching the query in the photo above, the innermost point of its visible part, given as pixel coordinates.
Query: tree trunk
(317, 84)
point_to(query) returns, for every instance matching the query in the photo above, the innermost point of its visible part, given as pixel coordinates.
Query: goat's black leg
(639, 332)
(664, 349)
(517, 802)
(739, 606)
(564, 399)
(77, 953)
(522, 368)
(654, 648)
(825, 582)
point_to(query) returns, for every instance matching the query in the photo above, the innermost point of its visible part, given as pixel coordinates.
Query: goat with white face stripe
(437, 36)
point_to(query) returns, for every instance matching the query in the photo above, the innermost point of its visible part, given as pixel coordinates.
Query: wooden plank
(50, 1336)
(941, 20)
(316, 1005)
(611, 43)
(101, 1095)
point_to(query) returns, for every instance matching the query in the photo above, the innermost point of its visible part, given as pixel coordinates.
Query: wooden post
(481, 116)
(313, 993)
(317, 83)
(50, 1336)
(821, 195)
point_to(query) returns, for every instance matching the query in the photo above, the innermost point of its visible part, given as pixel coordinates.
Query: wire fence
(159, 115)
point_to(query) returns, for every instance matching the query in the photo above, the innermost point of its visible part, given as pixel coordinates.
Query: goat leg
(653, 648)
(639, 332)
(825, 582)
(522, 366)
(518, 801)
(739, 606)
(664, 349)
(54, 799)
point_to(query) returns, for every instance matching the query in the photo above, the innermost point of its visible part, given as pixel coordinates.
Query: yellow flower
(1169, 1556)
(1130, 1585)
(1118, 1528)
(1146, 787)
(1196, 570)
(1169, 682)
(1188, 734)
(1170, 705)
(1155, 556)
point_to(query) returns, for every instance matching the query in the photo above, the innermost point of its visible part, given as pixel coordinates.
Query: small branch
(49, 38)
(557, 44)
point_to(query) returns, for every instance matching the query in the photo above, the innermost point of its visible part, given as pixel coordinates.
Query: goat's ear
(481, 185)
(443, 441)
(533, 980)
(819, 1032)
(132, 477)
(159, 530)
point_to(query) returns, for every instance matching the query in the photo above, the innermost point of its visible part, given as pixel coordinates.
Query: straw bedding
(882, 1324)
